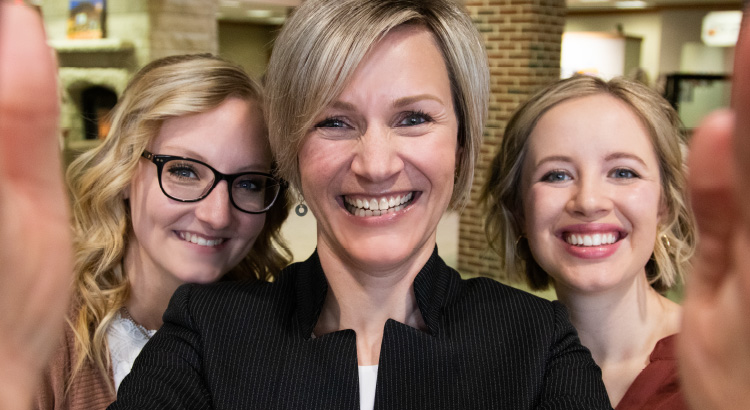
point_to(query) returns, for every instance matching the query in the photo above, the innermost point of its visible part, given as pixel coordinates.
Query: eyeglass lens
(188, 180)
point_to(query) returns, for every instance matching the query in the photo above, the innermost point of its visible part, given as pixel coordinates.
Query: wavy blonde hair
(324, 41)
(169, 87)
(501, 194)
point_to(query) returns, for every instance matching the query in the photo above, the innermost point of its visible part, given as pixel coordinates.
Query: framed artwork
(86, 19)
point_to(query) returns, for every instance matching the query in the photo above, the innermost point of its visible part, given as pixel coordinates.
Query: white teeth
(198, 240)
(377, 206)
(596, 239)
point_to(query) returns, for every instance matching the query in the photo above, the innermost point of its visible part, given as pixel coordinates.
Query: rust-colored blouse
(658, 385)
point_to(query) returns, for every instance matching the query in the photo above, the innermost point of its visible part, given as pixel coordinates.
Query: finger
(711, 181)
(740, 103)
(28, 101)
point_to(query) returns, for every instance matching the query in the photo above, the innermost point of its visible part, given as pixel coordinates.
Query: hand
(35, 239)
(715, 339)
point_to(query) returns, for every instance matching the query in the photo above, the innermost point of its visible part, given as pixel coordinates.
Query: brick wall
(183, 26)
(523, 43)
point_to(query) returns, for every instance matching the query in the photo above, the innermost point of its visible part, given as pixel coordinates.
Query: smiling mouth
(363, 207)
(200, 240)
(596, 239)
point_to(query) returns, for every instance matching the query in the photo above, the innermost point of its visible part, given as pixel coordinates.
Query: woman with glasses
(181, 191)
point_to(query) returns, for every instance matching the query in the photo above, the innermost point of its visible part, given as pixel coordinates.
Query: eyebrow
(398, 103)
(190, 154)
(404, 101)
(610, 157)
(553, 158)
(625, 155)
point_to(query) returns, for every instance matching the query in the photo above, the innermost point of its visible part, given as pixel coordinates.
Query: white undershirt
(368, 377)
(125, 342)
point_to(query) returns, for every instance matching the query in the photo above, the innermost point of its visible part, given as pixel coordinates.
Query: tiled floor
(300, 234)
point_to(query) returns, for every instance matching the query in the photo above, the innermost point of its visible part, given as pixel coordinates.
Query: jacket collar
(434, 286)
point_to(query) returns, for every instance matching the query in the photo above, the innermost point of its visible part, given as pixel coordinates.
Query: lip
(588, 230)
(394, 208)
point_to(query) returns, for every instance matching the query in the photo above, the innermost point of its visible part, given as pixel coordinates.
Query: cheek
(541, 207)
(319, 161)
(437, 160)
(644, 206)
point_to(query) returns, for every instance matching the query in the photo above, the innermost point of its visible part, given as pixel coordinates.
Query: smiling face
(591, 194)
(377, 169)
(198, 242)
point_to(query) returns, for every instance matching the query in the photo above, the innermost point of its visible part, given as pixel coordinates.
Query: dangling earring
(301, 209)
(665, 241)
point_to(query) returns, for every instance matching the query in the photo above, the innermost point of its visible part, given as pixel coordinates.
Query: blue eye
(623, 173)
(182, 171)
(331, 123)
(414, 118)
(248, 185)
(556, 176)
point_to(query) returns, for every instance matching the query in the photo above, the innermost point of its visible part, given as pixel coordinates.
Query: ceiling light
(259, 14)
(631, 4)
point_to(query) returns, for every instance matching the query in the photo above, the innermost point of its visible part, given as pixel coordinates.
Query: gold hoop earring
(665, 241)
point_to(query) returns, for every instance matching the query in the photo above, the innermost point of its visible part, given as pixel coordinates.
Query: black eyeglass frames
(189, 180)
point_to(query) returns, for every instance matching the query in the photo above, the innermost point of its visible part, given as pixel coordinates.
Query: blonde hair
(169, 87)
(501, 194)
(324, 41)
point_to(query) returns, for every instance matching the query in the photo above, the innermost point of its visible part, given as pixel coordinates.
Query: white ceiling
(275, 11)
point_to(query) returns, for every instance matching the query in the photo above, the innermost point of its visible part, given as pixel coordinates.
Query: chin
(201, 277)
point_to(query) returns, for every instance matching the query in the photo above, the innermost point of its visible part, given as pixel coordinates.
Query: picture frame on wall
(86, 19)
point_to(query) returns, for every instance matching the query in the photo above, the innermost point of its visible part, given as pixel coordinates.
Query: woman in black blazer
(375, 110)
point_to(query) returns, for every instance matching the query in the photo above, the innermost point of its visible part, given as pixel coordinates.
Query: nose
(377, 157)
(215, 209)
(591, 198)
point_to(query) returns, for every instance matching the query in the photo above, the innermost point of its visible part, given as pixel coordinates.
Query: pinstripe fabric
(248, 346)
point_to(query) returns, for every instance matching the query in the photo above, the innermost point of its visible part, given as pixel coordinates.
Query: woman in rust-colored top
(587, 194)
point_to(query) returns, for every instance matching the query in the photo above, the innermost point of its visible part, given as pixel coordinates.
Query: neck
(364, 300)
(621, 326)
(150, 291)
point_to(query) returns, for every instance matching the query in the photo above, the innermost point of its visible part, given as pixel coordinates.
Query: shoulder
(88, 391)
(505, 305)
(491, 292)
(229, 300)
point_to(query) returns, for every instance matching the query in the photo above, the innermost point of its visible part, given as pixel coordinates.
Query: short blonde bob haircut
(170, 87)
(501, 195)
(324, 41)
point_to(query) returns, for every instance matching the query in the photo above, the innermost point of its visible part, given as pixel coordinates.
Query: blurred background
(682, 48)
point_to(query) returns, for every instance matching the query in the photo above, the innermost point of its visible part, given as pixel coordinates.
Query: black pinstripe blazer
(247, 346)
